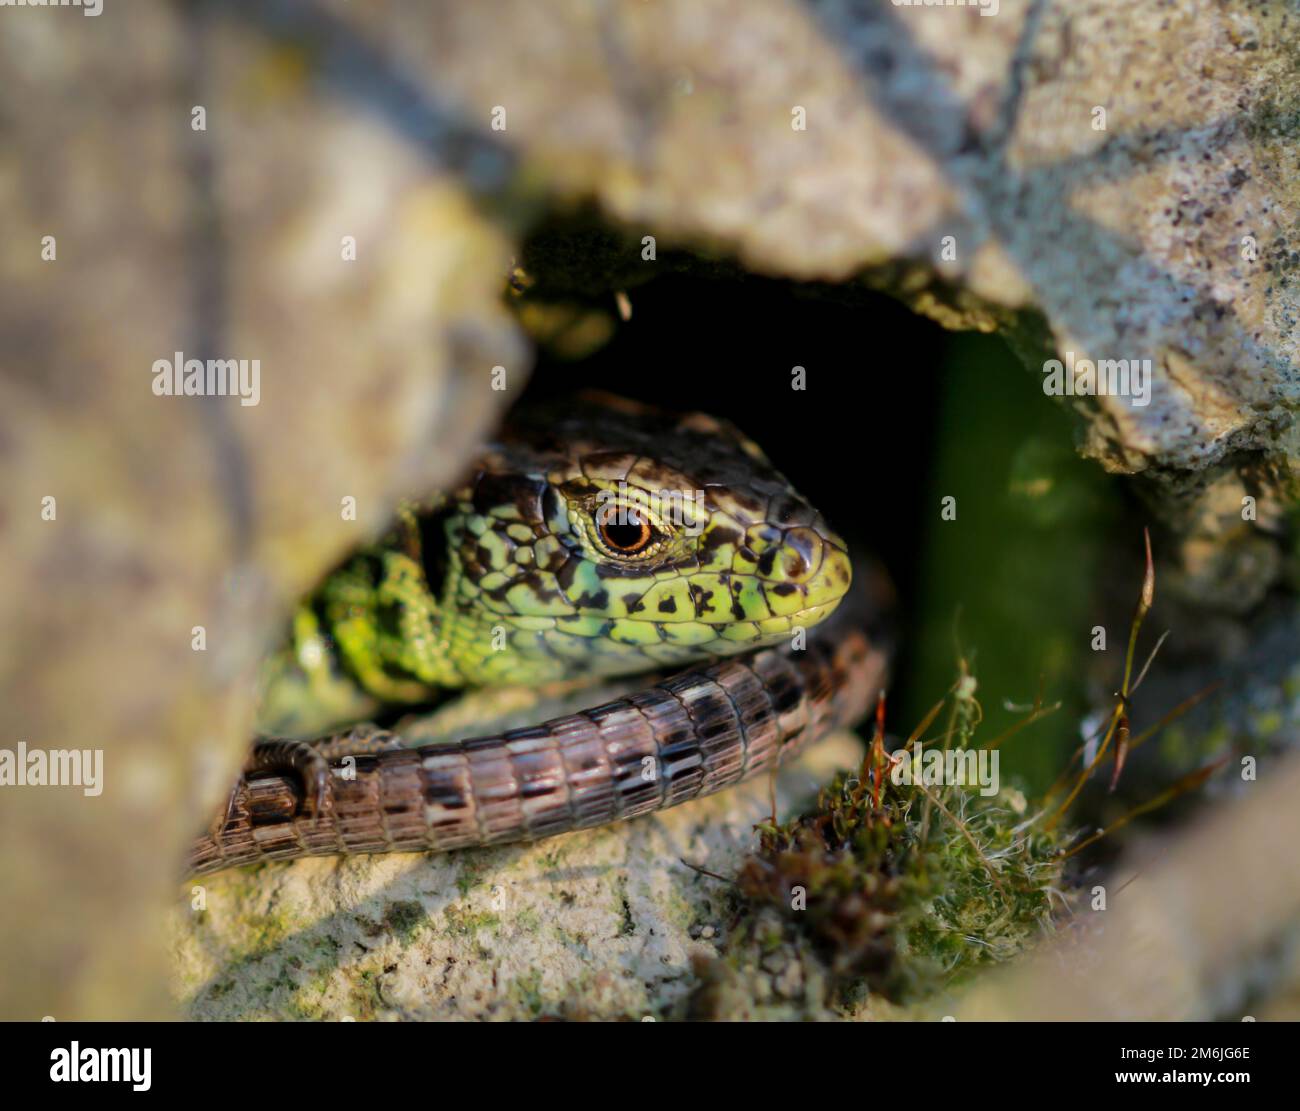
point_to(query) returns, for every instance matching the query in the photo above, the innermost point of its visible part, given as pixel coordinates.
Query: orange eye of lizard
(624, 529)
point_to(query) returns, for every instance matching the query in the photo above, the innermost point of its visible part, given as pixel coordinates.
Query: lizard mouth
(812, 615)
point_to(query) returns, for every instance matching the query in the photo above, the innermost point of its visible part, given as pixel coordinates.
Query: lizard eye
(624, 529)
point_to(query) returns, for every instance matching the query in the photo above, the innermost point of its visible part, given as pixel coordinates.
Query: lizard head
(607, 537)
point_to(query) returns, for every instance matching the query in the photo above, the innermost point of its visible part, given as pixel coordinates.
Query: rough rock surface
(1171, 235)
(173, 513)
(600, 924)
(1129, 173)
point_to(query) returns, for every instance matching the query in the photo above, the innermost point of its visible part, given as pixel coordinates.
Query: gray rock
(1168, 236)
(601, 924)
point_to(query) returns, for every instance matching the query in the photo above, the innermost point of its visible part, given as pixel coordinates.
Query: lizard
(590, 541)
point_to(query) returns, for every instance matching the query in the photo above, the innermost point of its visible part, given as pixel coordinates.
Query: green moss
(903, 888)
(1274, 120)
(220, 988)
(571, 939)
(526, 991)
(365, 999)
(528, 920)
(553, 858)
(404, 918)
(469, 876)
(466, 923)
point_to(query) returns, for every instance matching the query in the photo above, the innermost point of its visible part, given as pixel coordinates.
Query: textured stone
(676, 117)
(605, 923)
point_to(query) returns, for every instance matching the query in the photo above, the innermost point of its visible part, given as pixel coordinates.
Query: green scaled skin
(603, 538)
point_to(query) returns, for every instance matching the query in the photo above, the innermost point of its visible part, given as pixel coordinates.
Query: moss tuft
(898, 884)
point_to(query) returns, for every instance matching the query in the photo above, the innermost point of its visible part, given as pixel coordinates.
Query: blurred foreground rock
(1108, 180)
(948, 157)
